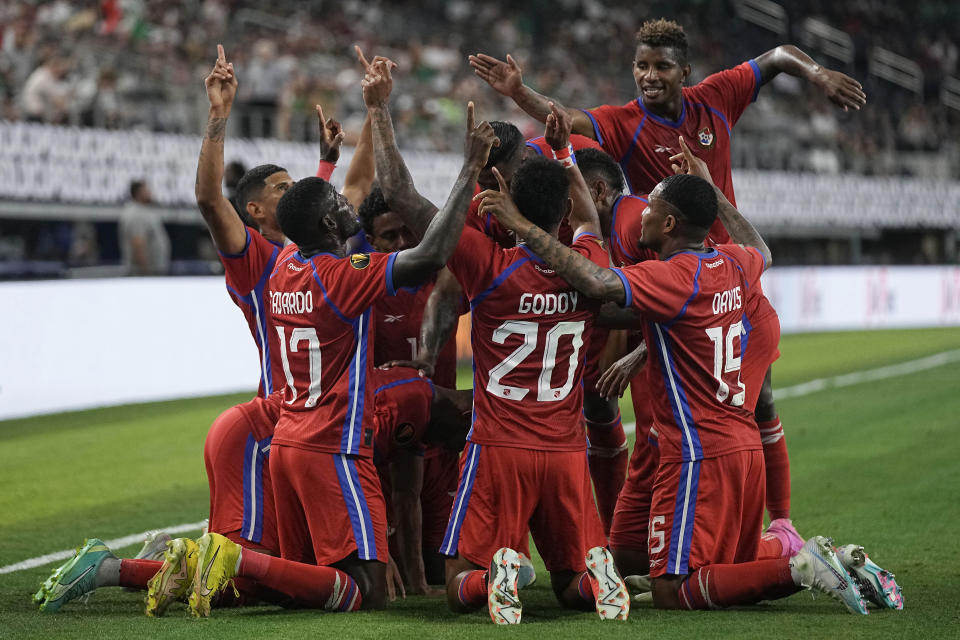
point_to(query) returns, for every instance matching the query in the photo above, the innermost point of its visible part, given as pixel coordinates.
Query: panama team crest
(705, 137)
(360, 260)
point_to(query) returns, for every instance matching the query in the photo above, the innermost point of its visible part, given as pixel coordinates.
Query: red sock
(727, 585)
(608, 459)
(777, 462)
(135, 574)
(770, 547)
(309, 585)
(585, 587)
(472, 591)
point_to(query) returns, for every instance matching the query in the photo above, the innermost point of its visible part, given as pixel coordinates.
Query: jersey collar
(664, 121)
(706, 255)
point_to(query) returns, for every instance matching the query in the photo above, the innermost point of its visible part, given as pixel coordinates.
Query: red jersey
(541, 147)
(529, 329)
(322, 315)
(398, 319)
(402, 402)
(643, 142)
(247, 273)
(625, 231)
(693, 309)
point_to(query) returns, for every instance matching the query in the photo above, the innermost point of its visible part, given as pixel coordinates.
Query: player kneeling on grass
(711, 460)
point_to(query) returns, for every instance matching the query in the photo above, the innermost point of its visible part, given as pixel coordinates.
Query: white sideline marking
(797, 390)
(116, 543)
(857, 377)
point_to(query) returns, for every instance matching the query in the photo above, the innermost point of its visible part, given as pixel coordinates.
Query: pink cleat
(791, 541)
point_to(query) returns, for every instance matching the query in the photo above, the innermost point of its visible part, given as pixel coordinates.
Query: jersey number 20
(530, 332)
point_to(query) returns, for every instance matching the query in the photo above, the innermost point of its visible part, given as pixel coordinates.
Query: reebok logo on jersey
(294, 267)
(360, 260)
(714, 265)
(391, 318)
(662, 149)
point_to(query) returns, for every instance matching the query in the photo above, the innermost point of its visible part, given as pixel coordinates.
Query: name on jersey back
(545, 304)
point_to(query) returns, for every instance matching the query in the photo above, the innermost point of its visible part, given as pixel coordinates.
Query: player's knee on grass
(766, 408)
(457, 568)
(371, 579)
(630, 562)
(566, 587)
(666, 592)
(599, 409)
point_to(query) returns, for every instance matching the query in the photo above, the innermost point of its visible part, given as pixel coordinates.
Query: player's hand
(504, 77)
(686, 162)
(841, 89)
(221, 84)
(480, 139)
(377, 80)
(557, 131)
(423, 366)
(501, 205)
(614, 380)
(421, 588)
(394, 581)
(331, 137)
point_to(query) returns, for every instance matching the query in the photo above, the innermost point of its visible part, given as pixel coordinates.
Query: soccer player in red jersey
(706, 513)
(641, 135)
(524, 469)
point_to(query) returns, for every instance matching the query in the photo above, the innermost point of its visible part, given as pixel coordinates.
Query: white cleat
(527, 575)
(816, 566)
(503, 598)
(877, 585)
(613, 601)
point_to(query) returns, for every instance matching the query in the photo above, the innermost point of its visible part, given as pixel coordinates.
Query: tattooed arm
(227, 229)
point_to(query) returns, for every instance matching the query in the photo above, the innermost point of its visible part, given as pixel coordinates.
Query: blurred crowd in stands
(140, 64)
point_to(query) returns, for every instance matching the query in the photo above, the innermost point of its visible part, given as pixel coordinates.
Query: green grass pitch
(874, 463)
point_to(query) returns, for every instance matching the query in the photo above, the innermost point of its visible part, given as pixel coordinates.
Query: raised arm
(506, 77)
(227, 229)
(841, 89)
(395, 180)
(581, 273)
(413, 266)
(440, 317)
(362, 169)
(739, 228)
(583, 216)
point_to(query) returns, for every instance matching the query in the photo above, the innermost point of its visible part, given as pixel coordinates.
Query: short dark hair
(540, 189)
(511, 142)
(135, 186)
(693, 197)
(664, 33)
(600, 163)
(301, 207)
(373, 206)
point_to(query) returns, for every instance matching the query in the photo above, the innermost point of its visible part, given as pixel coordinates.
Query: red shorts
(328, 506)
(706, 512)
(631, 517)
(440, 472)
(507, 494)
(761, 349)
(236, 454)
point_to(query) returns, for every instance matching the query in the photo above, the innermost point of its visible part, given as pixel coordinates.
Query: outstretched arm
(739, 228)
(506, 77)
(414, 266)
(841, 89)
(581, 273)
(395, 180)
(362, 169)
(440, 317)
(227, 229)
(583, 216)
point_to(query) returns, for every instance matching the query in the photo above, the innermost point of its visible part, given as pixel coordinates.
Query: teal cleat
(877, 585)
(817, 567)
(76, 577)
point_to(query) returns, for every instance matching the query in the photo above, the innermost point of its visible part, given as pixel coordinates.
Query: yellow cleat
(175, 577)
(217, 561)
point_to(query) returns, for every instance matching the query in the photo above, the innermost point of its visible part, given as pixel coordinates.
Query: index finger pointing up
(470, 116)
(221, 56)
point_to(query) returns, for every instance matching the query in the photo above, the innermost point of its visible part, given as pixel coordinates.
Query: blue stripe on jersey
(596, 128)
(352, 434)
(758, 77)
(498, 281)
(451, 538)
(627, 291)
(535, 147)
(629, 152)
(246, 245)
(666, 121)
(684, 513)
(690, 445)
(260, 310)
(357, 508)
(745, 337)
(696, 290)
(397, 383)
(255, 454)
(715, 112)
(326, 298)
(391, 289)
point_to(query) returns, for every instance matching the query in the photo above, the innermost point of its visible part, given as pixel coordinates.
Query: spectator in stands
(144, 243)
(47, 93)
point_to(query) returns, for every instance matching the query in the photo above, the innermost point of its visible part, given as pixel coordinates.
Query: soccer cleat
(638, 584)
(877, 585)
(217, 559)
(154, 546)
(74, 578)
(502, 597)
(816, 566)
(175, 577)
(791, 541)
(527, 575)
(613, 601)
